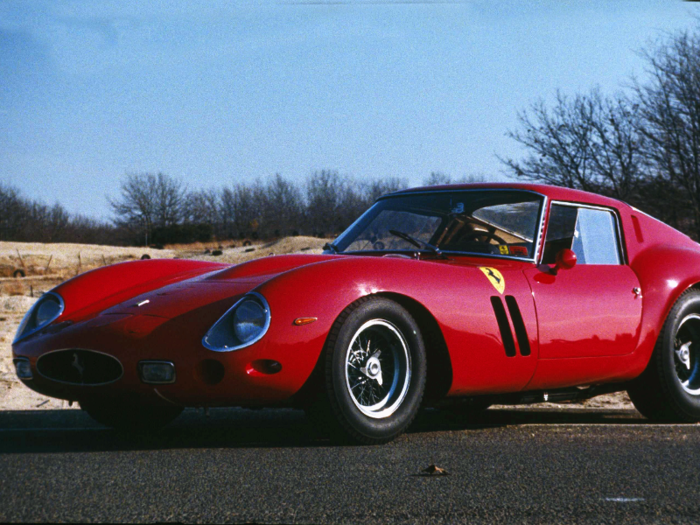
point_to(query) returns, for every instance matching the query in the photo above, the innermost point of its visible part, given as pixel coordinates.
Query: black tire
(121, 415)
(19, 274)
(374, 374)
(669, 389)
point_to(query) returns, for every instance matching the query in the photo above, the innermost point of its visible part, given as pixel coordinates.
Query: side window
(591, 234)
(595, 237)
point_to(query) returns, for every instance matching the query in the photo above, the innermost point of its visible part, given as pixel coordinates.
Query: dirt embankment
(46, 265)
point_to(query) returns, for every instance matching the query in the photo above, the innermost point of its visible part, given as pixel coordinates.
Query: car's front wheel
(122, 415)
(375, 370)
(669, 388)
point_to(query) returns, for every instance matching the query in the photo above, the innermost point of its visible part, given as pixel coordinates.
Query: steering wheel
(486, 236)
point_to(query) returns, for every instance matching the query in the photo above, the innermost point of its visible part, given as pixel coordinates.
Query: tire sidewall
(397, 422)
(687, 403)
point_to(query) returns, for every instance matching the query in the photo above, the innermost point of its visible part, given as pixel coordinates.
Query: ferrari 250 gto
(486, 293)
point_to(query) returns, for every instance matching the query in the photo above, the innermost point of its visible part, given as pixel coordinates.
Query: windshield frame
(536, 244)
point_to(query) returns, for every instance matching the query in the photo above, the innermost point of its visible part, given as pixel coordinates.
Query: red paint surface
(584, 324)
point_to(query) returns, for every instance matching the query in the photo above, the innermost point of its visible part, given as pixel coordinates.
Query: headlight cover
(245, 323)
(44, 312)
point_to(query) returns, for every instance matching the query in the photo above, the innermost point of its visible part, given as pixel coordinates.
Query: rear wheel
(669, 389)
(122, 415)
(375, 371)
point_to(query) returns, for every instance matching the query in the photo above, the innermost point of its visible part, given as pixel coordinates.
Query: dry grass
(14, 287)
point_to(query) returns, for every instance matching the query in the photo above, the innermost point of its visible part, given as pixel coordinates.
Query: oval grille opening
(80, 367)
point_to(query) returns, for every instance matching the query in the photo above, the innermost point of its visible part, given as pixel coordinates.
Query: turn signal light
(301, 321)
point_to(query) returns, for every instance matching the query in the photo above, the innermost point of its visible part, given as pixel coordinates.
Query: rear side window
(591, 233)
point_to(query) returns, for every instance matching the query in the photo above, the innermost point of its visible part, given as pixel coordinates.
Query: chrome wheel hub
(377, 368)
(373, 370)
(687, 354)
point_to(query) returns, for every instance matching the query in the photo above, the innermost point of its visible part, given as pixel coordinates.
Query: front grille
(80, 367)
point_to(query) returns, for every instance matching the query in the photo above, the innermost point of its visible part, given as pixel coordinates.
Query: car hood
(222, 286)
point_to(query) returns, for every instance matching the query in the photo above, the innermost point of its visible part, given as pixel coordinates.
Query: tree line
(158, 209)
(641, 145)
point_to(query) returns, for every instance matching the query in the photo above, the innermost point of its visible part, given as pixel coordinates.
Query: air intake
(80, 367)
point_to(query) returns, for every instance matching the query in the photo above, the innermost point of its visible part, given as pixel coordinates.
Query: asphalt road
(243, 466)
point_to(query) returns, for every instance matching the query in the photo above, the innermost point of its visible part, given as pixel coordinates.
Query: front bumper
(266, 373)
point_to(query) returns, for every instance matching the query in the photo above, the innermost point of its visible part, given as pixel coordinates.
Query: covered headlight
(242, 325)
(45, 311)
(249, 320)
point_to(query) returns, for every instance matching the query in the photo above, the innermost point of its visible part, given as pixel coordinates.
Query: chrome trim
(15, 360)
(268, 317)
(166, 399)
(36, 305)
(620, 246)
(82, 350)
(158, 362)
(538, 251)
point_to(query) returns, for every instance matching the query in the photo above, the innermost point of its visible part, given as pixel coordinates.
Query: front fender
(96, 290)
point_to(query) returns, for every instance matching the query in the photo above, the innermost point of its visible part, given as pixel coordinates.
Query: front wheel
(669, 389)
(375, 370)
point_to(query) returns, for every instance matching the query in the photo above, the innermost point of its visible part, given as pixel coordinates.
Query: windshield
(494, 222)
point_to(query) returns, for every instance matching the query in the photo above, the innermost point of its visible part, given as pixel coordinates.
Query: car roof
(556, 193)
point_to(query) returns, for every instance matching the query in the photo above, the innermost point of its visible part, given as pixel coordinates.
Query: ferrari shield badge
(495, 278)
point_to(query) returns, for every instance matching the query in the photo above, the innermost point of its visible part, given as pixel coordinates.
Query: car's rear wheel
(375, 370)
(123, 415)
(669, 388)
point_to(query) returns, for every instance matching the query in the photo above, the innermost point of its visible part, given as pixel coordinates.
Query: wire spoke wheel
(375, 371)
(687, 354)
(378, 368)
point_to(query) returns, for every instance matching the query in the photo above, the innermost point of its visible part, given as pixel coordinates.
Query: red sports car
(508, 293)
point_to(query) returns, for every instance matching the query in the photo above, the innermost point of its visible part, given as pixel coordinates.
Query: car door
(593, 309)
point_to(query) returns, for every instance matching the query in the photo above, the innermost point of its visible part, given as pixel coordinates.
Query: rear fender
(664, 273)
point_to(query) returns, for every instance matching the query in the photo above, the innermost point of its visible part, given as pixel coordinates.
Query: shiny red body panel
(583, 326)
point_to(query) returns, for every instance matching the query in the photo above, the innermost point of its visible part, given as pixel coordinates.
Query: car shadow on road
(52, 431)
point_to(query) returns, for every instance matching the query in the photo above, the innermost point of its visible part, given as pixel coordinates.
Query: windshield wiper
(330, 247)
(418, 243)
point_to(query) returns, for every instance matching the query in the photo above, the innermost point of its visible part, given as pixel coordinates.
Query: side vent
(520, 331)
(503, 326)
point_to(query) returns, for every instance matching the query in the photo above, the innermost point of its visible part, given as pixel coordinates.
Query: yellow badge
(504, 249)
(495, 277)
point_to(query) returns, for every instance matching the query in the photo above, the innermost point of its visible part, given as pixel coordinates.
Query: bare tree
(670, 112)
(282, 209)
(328, 198)
(372, 190)
(558, 142)
(148, 201)
(437, 178)
(590, 142)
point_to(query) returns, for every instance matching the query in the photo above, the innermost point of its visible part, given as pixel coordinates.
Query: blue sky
(217, 93)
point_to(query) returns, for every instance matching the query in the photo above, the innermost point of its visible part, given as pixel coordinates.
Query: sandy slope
(69, 259)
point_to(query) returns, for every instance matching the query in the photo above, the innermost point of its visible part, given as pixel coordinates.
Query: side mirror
(565, 260)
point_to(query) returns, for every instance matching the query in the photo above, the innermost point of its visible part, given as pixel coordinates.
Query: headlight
(244, 324)
(249, 320)
(45, 311)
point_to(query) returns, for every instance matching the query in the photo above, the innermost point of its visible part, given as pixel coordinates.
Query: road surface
(245, 466)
